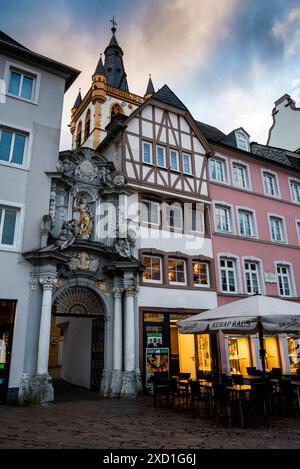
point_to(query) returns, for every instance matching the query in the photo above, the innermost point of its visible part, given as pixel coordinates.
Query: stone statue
(122, 247)
(84, 218)
(105, 176)
(67, 234)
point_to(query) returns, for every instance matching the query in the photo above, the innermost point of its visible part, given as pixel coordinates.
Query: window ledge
(14, 165)
(20, 98)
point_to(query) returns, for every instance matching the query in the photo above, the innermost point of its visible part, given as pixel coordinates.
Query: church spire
(78, 100)
(100, 67)
(150, 88)
(113, 65)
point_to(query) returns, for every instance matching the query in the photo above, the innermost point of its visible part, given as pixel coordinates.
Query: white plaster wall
(286, 132)
(18, 185)
(76, 360)
(173, 298)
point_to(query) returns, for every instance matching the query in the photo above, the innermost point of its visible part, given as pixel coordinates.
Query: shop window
(272, 353)
(203, 352)
(294, 353)
(239, 354)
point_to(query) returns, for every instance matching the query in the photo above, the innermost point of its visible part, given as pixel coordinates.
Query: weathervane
(114, 23)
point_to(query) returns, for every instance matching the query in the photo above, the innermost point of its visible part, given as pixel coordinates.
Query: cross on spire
(114, 23)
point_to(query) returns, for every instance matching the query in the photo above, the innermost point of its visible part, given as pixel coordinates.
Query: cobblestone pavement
(115, 423)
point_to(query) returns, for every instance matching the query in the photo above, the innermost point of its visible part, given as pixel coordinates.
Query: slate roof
(276, 155)
(78, 100)
(210, 132)
(11, 47)
(166, 96)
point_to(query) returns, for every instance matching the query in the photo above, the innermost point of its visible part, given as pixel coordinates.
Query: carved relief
(83, 261)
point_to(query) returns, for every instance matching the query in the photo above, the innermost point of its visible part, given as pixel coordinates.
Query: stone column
(117, 373)
(40, 389)
(129, 385)
(48, 284)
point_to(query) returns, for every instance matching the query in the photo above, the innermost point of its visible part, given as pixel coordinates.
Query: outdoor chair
(221, 403)
(251, 370)
(179, 394)
(289, 401)
(184, 375)
(237, 379)
(257, 407)
(199, 399)
(161, 390)
(224, 379)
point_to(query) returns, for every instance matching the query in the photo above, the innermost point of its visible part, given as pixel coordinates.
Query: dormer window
(242, 141)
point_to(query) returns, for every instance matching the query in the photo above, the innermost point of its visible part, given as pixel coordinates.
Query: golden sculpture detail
(84, 218)
(83, 260)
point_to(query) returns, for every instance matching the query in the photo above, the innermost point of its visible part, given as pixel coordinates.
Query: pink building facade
(255, 220)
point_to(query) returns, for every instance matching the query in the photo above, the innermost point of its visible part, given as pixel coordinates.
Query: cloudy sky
(227, 60)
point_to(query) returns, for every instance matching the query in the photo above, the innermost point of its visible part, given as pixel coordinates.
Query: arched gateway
(77, 337)
(84, 281)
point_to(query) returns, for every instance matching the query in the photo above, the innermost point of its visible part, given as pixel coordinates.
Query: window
(12, 146)
(147, 152)
(222, 218)
(239, 354)
(160, 156)
(240, 176)
(152, 272)
(78, 135)
(174, 160)
(252, 277)
(242, 141)
(228, 276)
(246, 223)
(277, 231)
(87, 125)
(21, 84)
(284, 280)
(217, 170)
(176, 271)
(187, 166)
(200, 274)
(298, 230)
(175, 216)
(295, 190)
(150, 212)
(270, 184)
(8, 219)
(198, 217)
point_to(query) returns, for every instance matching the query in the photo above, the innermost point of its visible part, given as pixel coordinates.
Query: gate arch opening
(77, 338)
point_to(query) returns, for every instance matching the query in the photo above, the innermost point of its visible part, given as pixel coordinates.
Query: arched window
(87, 125)
(115, 109)
(242, 141)
(78, 135)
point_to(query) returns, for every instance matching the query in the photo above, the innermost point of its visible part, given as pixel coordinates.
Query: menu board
(157, 360)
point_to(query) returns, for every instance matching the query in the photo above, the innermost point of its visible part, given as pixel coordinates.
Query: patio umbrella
(256, 313)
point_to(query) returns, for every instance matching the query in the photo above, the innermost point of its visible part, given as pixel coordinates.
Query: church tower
(108, 96)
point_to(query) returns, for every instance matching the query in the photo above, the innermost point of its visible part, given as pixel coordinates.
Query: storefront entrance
(7, 317)
(168, 352)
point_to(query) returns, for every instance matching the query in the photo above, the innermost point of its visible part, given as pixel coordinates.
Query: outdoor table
(252, 378)
(239, 389)
(297, 385)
